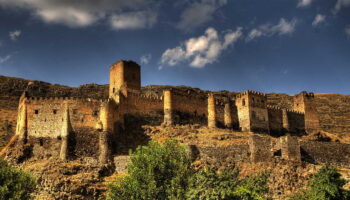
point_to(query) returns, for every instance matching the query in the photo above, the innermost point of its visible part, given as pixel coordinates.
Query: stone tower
(65, 131)
(104, 133)
(22, 120)
(168, 108)
(305, 102)
(211, 111)
(252, 111)
(124, 77)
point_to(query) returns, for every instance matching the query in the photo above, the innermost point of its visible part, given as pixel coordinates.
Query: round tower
(65, 134)
(211, 111)
(168, 108)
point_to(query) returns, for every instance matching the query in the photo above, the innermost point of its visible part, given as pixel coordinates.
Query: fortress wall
(337, 154)
(259, 119)
(147, 109)
(220, 114)
(296, 121)
(45, 116)
(275, 120)
(190, 109)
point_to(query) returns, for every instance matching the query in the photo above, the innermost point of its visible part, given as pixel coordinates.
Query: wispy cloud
(4, 59)
(284, 27)
(14, 34)
(347, 31)
(198, 13)
(202, 50)
(133, 20)
(145, 59)
(340, 4)
(319, 19)
(304, 3)
(121, 14)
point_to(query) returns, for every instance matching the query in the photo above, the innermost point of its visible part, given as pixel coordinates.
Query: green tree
(15, 184)
(209, 185)
(326, 184)
(156, 172)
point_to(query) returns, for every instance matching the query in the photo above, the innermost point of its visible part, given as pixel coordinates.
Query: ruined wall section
(45, 115)
(337, 154)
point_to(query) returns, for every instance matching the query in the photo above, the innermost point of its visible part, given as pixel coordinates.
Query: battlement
(295, 111)
(61, 99)
(145, 96)
(272, 107)
(250, 92)
(306, 94)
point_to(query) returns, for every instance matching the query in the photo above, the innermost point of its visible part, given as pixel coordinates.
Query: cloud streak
(120, 13)
(145, 59)
(4, 59)
(200, 51)
(14, 34)
(340, 4)
(198, 13)
(304, 3)
(347, 31)
(319, 19)
(284, 27)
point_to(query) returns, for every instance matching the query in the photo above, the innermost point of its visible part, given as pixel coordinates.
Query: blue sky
(265, 45)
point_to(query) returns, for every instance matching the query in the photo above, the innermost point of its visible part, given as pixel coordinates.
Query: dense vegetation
(326, 184)
(15, 184)
(164, 172)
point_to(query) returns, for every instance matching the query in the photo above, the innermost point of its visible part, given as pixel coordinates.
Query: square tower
(305, 102)
(252, 111)
(124, 77)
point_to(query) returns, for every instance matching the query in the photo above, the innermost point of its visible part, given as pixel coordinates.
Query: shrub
(326, 184)
(209, 185)
(157, 171)
(15, 184)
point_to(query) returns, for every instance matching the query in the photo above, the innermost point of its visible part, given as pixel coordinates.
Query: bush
(164, 172)
(326, 184)
(209, 185)
(15, 184)
(156, 171)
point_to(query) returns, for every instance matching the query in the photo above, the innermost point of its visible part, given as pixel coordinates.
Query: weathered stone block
(260, 149)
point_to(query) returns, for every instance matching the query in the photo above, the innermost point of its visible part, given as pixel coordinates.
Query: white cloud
(4, 59)
(318, 20)
(14, 34)
(304, 3)
(340, 4)
(75, 13)
(284, 27)
(347, 30)
(202, 50)
(133, 20)
(145, 59)
(198, 13)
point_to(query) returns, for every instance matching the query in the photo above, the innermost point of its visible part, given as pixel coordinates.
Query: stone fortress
(74, 127)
